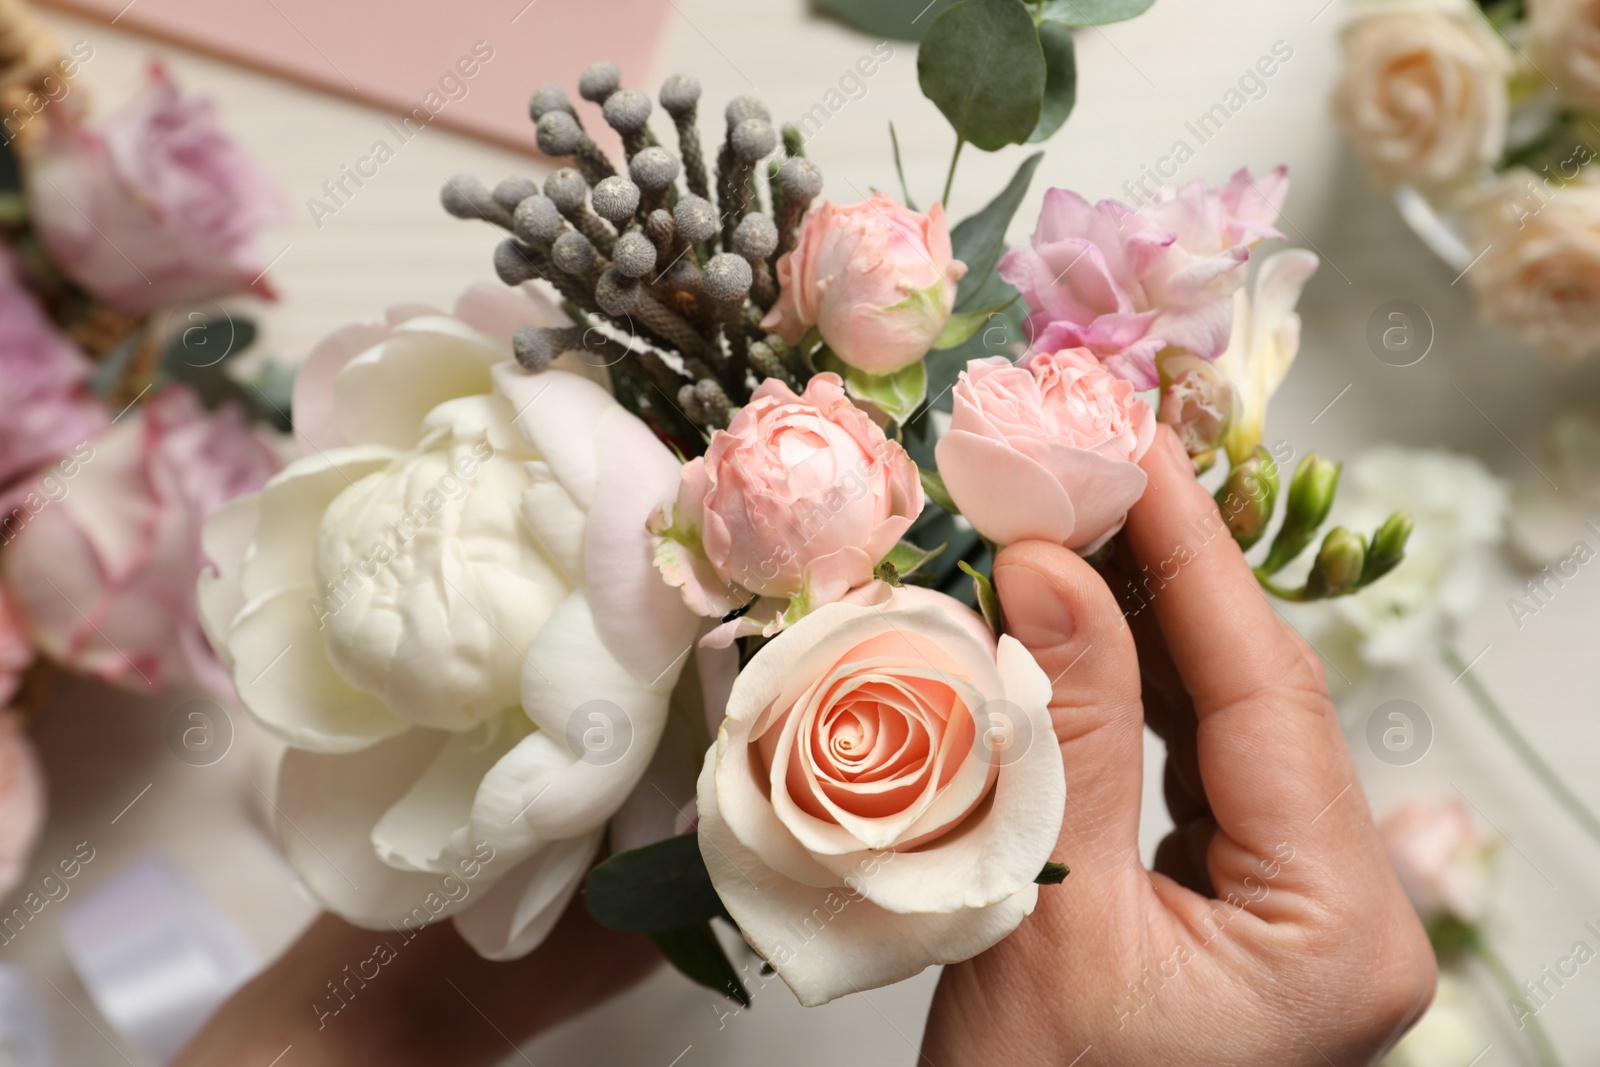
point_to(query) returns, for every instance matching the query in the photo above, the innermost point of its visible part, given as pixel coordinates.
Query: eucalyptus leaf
(205, 343)
(654, 889)
(1092, 12)
(696, 952)
(906, 557)
(982, 66)
(899, 20)
(978, 240)
(905, 190)
(933, 488)
(1052, 874)
(1061, 79)
(1003, 333)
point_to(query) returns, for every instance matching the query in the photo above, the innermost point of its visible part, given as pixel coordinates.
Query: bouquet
(673, 549)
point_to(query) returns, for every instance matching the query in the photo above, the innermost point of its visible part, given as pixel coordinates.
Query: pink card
(467, 64)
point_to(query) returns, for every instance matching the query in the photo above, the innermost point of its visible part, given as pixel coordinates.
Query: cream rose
(448, 609)
(1423, 93)
(1540, 275)
(1567, 36)
(883, 793)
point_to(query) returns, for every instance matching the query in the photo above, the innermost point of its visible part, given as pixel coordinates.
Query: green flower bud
(1338, 566)
(1248, 497)
(1388, 547)
(1309, 501)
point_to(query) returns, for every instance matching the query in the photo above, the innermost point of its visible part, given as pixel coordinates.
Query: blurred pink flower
(876, 279)
(1048, 451)
(16, 651)
(1443, 862)
(153, 204)
(1127, 284)
(105, 573)
(43, 394)
(22, 800)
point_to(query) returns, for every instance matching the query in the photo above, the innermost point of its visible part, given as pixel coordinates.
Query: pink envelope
(467, 64)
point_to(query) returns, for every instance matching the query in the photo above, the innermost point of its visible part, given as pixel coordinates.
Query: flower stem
(951, 177)
(1537, 1036)
(1519, 744)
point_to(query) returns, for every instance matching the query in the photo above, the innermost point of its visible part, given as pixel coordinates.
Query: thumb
(1064, 614)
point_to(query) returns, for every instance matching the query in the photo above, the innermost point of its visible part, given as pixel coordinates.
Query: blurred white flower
(1459, 509)
(1445, 865)
(1448, 1035)
(1264, 341)
(1548, 522)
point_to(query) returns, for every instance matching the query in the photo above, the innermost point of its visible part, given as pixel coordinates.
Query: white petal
(513, 917)
(434, 817)
(559, 414)
(554, 520)
(292, 502)
(828, 942)
(327, 806)
(641, 618)
(284, 678)
(383, 395)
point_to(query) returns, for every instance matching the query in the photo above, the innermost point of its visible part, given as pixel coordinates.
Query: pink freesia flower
(876, 279)
(153, 204)
(22, 800)
(798, 500)
(104, 573)
(1442, 860)
(1049, 451)
(43, 390)
(1126, 284)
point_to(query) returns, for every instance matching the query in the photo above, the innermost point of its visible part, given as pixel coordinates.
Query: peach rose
(1049, 451)
(1443, 862)
(876, 279)
(1567, 35)
(882, 794)
(797, 502)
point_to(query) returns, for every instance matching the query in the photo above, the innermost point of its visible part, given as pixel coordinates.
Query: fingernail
(1035, 613)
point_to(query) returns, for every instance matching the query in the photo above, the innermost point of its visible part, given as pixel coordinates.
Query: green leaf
(979, 239)
(696, 952)
(905, 190)
(988, 599)
(1053, 874)
(655, 889)
(906, 557)
(898, 20)
(897, 394)
(1092, 12)
(1061, 80)
(962, 325)
(1001, 335)
(933, 487)
(201, 344)
(982, 66)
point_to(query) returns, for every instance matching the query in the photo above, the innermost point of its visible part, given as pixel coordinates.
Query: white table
(1139, 83)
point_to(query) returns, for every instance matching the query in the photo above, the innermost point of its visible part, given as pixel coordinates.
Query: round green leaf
(1061, 79)
(1092, 12)
(982, 66)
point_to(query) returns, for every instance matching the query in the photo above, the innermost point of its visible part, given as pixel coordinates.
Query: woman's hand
(1271, 930)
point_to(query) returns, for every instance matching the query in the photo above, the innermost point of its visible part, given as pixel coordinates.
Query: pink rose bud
(799, 498)
(1048, 452)
(876, 279)
(1443, 863)
(152, 205)
(1197, 401)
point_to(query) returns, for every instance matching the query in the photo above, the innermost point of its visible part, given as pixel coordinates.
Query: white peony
(1458, 507)
(447, 607)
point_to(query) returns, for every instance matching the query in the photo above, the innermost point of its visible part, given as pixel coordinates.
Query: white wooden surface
(1139, 83)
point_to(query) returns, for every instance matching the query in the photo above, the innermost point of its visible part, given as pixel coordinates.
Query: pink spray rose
(1126, 284)
(798, 500)
(1442, 860)
(875, 278)
(105, 573)
(1050, 451)
(21, 800)
(43, 390)
(153, 204)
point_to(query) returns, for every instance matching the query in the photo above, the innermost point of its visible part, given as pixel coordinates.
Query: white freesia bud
(1263, 344)
(410, 607)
